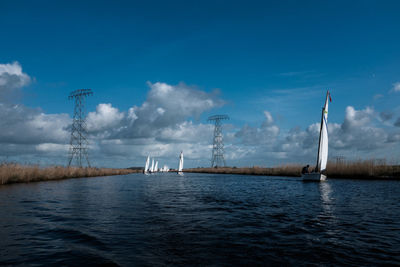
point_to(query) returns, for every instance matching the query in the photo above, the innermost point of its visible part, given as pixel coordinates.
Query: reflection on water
(326, 199)
(200, 219)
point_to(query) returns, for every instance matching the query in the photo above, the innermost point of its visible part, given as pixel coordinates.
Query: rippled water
(200, 219)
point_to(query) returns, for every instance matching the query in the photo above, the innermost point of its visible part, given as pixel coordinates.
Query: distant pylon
(79, 144)
(217, 157)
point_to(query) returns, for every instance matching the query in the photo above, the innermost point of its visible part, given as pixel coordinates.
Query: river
(200, 219)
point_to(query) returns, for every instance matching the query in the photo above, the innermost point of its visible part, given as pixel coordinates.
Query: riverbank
(15, 173)
(368, 169)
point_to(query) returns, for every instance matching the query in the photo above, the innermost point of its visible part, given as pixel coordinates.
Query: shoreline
(357, 171)
(11, 173)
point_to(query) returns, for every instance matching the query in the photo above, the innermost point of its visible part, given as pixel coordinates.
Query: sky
(159, 69)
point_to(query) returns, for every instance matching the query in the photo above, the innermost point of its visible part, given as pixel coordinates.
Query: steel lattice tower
(79, 144)
(217, 157)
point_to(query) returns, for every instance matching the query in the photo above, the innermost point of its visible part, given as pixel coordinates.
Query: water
(200, 219)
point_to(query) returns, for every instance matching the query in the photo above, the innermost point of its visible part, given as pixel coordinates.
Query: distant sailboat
(180, 167)
(146, 166)
(156, 167)
(164, 169)
(152, 166)
(322, 158)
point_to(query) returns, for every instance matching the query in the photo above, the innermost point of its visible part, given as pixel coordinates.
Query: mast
(319, 140)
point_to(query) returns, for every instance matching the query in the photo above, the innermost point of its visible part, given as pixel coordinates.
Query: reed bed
(17, 173)
(361, 169)
(284, 170)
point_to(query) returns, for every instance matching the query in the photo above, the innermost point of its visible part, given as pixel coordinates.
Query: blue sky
(260, 56)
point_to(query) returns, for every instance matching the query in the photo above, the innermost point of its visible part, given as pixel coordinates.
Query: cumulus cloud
(23, 125)
(165, 123)
(265, 134)
(357, 118)
(167, 106)
(357, 132)
(105, 118)
(187, 132)
(11, 79)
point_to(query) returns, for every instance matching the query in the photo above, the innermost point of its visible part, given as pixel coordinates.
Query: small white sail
(323, 141)
(156, 167)
(180, 168)
(152, 166)
(146, 167)
(165, 168)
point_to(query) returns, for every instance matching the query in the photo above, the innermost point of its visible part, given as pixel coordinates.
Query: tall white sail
(323, 139)
(180, 168)
(146, 167)
(156, 167)
(152, 166)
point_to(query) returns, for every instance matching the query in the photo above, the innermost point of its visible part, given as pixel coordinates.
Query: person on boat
(305, 169)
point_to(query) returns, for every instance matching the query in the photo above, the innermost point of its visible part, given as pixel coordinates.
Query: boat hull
(313, 177)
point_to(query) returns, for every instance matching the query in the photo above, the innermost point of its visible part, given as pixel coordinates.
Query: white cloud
(268, 118)
(51, 147)
(104, 118)
(396, 87)
(357, 118)
(22, 125)
(11, 80)
(165, 123)
(166, 106)
(357, 133)
(161, 126)
(187, 132)
(11, 76)
(267, 133)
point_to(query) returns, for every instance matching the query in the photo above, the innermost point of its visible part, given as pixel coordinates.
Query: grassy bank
(16, 173)
(367, 169)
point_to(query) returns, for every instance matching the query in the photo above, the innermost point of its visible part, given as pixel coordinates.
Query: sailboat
(180, 167)
(152, 166)
(165, 169)
(156, 167)
(146, 166)
(319, 174)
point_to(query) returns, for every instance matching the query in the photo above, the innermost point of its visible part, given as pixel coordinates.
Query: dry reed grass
(16, 173)
(362, 169)
(284, 170)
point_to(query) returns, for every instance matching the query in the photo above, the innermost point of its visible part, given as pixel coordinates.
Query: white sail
(146, 167)
(165, 168)
(180, 168)
(152, 166)
(156, 167)
(323, 140)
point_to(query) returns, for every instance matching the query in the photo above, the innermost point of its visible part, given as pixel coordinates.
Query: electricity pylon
(79, 144)
(217, 157)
